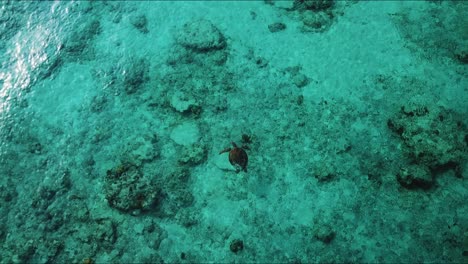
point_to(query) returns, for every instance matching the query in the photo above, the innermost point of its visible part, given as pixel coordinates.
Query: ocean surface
(234, 131)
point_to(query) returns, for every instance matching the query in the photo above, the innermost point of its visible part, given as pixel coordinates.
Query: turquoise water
(234, 132)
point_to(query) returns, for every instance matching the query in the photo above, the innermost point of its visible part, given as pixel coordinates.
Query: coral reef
(193, 155)
(322, 228)
(184, 103)
(315, 15)
(236, 245)
(127, 75)
(102, 234)
(79, 41)
(127, 189)
(414, 176)
(325, 171)
(140, 22)
(135, 74)
(176, 194)
(433, 136)
(195, 65)
(324, 233)
(316, 21)
(276, 27)
(199, 42)
(299, 79)
(201, 36)
(130, 172)
(315, 5)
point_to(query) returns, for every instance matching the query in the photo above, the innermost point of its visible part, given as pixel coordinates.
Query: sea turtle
(237, 156)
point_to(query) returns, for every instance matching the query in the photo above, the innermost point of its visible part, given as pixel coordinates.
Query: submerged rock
(126, 189)
(201, 36)
(433, 136)
(415, 176)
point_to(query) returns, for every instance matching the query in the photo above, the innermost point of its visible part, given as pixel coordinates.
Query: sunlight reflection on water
(27, 51)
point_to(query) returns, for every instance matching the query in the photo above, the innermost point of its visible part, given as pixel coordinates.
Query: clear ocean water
(302, 131)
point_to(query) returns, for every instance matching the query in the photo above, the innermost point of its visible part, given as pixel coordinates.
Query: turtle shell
(238, 156)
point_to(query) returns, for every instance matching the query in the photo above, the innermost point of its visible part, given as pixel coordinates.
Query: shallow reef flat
(302, 131)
